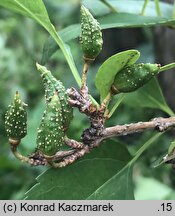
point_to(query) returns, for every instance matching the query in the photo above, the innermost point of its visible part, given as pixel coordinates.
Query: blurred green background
(21, 45)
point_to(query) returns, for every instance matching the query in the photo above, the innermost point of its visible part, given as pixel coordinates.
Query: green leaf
(82, 179)
(127, 20)
(119, 98)
(133, 6)
(66, 34)
(98, 178)
(150, 95)
(121, 182)
(78, 181)
(121, 20)
(37, 11)
(110, 149)
(108, 70)
(128, 17)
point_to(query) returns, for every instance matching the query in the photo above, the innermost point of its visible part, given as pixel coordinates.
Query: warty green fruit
(91, 36)
(50, 136)
(134, 76)
(51, 85)
(16, 119)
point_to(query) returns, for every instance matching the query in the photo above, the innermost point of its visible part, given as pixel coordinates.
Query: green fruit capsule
(134, 76)
(51, 85)
(50, 136)
(67, 110)
(16, 119)
(91, 35)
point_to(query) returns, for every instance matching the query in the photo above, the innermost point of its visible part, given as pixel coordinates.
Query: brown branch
(72, 158)
(82, 102)
(18, 155)
(73, 143)
(92, 136)
(159, 124)
(34, 161)
(105, 102)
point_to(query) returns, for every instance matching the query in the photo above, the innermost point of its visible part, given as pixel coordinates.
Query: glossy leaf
(80, 180)
(108, 70)
(150, 96)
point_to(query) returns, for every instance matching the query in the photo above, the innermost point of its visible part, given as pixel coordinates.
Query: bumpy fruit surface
(134, 76)
(51, 85)
(91, 36)
(50, 137)
(16, 119)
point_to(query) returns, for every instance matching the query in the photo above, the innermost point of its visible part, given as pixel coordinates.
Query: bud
(91, 36)
(16, 119)
(133, 77)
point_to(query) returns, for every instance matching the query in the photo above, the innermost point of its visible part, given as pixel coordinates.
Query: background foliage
(21, 42)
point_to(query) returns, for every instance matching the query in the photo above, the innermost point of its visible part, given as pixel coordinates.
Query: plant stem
(83, 82)
(144, 7)
(167, 67)
(106, 101)
(157, 7)
(73, 143)
(160, 124)
(18, 155)
(70, 62)
(71, 158)
(109, 6)
(84, 75)
(116, 105)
